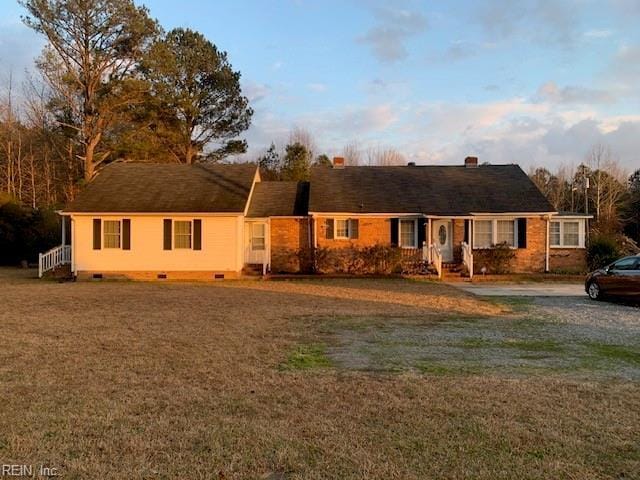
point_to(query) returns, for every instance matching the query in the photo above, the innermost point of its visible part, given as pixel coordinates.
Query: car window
(625, 264)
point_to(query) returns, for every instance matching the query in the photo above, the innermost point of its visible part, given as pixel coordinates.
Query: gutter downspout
(312, 241)
(429, 235)
(74, 269)
(546, 252)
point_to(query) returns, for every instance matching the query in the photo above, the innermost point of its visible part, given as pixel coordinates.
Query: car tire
(594, 291)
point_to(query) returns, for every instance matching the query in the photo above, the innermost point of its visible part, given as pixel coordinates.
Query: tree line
(600, 187)
(111, 85)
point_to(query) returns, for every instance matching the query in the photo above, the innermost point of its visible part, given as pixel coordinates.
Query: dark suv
(621, 278)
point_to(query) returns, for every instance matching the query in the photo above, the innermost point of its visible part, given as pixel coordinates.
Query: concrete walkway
(523, 289)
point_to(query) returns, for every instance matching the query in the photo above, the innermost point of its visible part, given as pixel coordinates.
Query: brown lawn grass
(135, 380)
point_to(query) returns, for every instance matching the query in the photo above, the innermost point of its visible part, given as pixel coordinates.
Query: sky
(532, 82)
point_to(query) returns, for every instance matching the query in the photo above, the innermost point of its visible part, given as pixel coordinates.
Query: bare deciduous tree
(352, 154)
(385, 157)
(303, 137)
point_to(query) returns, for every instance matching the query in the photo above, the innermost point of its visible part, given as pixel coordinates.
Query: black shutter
(126, 234)
(354, 227)
(422, 234)
(467, 240)
(522, 233)
(328, 226)
(167, 234)
(97, 233)
(394, 231)
(197, 234)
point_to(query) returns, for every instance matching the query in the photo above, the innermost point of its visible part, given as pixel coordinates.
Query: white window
(554, 234)
(571, 234)
(566, 233)
(112, 234)
(258, 236)
(182, 234)
(408, 233)
(487, 233)
(483, 233)
(505, 232)
(342, 228)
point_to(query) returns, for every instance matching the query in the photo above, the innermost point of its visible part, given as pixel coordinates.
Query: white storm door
(442, 238)
(255, 243)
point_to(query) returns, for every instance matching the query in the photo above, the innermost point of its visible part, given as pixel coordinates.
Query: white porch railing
(60, 255)
(467, 258)
(436, 258)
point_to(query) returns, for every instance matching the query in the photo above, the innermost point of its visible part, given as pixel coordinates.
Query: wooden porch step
(252, 269)
(61, 272)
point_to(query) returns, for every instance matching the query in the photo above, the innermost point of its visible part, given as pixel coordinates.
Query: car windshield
(628, 263)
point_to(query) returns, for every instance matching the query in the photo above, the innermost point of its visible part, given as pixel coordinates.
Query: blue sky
(531, 82)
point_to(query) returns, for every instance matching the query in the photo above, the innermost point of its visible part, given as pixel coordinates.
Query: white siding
(222, 246)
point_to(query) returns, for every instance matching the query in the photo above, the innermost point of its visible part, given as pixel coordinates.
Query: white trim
(355, 215)
(335, 228)
(315, 232)
(73, 247)
(581, 232)
(104, 233)
(155, 214)
(415, 233)
(568, 217)
(256, 179)
(513, 214)
(494, 232)
(546, 249)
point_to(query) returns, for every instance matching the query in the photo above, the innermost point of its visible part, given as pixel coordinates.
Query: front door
(442, 238)
(255, 243)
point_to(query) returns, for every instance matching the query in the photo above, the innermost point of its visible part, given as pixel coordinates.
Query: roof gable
(279, 199)
(146, 188)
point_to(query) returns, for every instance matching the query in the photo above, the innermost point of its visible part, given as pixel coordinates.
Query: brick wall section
(371, 231)
(153, 276)
(288, 237)
(457, 225)
(568, 260)
(530, 259)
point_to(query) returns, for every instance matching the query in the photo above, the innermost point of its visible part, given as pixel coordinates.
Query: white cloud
(572, 94)
(256, 92)
(542, 21)
(388, 37)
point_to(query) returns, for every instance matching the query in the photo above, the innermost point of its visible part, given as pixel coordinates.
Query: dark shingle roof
(435, 190)
(279, 199)
(140, 187)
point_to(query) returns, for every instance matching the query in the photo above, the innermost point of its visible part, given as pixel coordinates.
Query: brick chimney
(338, 162)
(471, 162)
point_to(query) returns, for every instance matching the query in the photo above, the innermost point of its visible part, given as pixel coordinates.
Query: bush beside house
(25, 232)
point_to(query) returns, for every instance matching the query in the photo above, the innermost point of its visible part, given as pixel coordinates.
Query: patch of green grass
(517, 304)
(622, 353)
(306, 357)
(528, 345)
